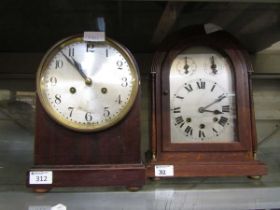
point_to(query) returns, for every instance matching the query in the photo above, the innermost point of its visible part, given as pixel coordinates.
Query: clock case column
(194, 159)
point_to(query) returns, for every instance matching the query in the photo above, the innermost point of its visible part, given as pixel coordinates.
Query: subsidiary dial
(213, 64)
(185, 65)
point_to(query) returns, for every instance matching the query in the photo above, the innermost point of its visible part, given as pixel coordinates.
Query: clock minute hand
(221, 97)
(78, 67)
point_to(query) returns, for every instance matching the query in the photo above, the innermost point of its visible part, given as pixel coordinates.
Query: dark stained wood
(106, 158)
(56, 144)
(204, 159)
(210, 169)
(128, 175)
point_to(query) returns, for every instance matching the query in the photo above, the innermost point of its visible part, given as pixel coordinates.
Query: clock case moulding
(203, 159)
(109, 157)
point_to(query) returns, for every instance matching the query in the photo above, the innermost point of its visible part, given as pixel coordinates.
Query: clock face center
(88, 81)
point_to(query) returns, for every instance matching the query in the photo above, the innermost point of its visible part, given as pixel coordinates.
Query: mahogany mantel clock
(87, 117)
(203, 120)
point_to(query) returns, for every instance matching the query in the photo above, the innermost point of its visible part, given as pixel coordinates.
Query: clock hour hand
(78, 67)
(221, 97)
(213, 111)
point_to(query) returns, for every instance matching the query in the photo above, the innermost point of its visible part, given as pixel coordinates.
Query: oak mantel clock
(87, 117)
(203, 119)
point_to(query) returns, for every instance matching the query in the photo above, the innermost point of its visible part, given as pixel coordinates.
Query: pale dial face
(202, 102)
(88, 87)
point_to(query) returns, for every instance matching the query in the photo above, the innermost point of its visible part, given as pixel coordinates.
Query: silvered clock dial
(202, 103)
(87, 86)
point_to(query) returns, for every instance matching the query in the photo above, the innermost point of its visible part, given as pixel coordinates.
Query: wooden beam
(226, 17)
(167, 20)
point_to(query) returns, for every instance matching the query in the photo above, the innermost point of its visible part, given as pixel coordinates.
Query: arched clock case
(87, 116)
(202, 111)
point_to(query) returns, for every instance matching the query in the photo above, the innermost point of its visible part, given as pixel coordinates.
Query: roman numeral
(201, 134)
(180, 97)
(177, 110)
(223, 121)
(213, 87)
(179, 121)
(188, 131)
(201, 85)
(225, 108)
(215, 131)
(188, 88)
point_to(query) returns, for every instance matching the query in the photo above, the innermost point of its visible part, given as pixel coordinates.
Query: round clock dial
(185, 65)
(202, 105)
(87, 86)
(213, 64)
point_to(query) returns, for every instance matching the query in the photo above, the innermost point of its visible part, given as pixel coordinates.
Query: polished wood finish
(128, 175)
(204, 159)
(211, 169)
(55, 144)
(106, 158)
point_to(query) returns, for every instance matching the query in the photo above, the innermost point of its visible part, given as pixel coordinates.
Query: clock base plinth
(212, 169)
(131, 176)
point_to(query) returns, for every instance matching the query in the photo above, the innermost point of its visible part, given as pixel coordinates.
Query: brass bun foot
(40, 190)
(133, 189)
(255, 177)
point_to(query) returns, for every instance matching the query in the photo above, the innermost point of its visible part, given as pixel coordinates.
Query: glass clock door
(202, 98)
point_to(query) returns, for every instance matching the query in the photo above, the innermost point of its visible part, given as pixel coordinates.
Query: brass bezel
(77, 126)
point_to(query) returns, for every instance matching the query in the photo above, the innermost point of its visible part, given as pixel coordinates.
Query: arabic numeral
(88, 116)
(124, 82)
(119, 64)
(57, 99)
(70, 110)
(71, 52)
(58, 64)
(119, 99)
(106, 112)
(53, 81)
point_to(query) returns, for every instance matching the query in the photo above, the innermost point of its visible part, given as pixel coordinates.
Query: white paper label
(40, 177)
(164, 170)
(39, 208)
(94, 36)
(59, 207)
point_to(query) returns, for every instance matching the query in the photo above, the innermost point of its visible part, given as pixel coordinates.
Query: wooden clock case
(204, 159)
(109, 157)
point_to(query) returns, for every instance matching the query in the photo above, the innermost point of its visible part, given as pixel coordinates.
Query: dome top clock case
(203, 119)
(87, 116)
